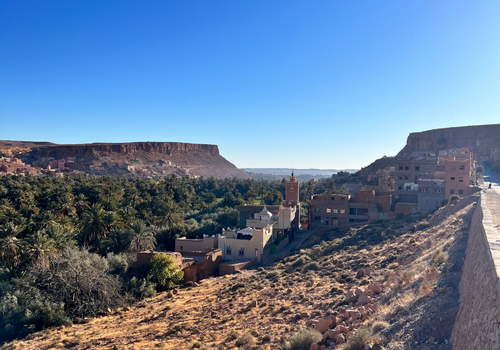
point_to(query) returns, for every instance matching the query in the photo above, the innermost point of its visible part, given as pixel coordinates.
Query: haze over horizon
(284, 84)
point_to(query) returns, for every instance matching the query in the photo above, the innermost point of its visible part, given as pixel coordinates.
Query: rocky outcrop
(480, 139)
(182, 158)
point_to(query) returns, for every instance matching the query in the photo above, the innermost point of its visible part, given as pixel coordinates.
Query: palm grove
(68, 246)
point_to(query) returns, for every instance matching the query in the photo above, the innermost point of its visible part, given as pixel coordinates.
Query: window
(401, 178)
(352, 211)
(452, 178)
(242, 252)
(400, 188)
(317, 218)
(335, 211)
(316, 210)
(423, 189)
(333, 198)
(460, 191)
(460, 179)
(407, 168)
(461, 167)
(417, 168)
(228, 251)
(438, 190)
(452, 191)
(181, 247)
(328, 210)
(406, 177)
(342, 198)
(400, 168)
(342, 211)
(291, 189)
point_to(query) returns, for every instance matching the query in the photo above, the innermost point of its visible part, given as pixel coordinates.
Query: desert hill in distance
(138, 159)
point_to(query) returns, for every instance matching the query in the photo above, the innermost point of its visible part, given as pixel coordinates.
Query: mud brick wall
(477, 323)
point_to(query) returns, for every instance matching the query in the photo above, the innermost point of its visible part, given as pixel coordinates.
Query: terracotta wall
(477, 323)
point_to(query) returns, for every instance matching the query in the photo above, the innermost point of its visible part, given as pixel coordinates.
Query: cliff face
(126, 149)
(147, 158)
(480, 139)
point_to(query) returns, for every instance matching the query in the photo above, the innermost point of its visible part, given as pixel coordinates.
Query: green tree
(117, 240)
(141, 236)
(39, 247)
(93, 224)
(164, 272)
(10, 246)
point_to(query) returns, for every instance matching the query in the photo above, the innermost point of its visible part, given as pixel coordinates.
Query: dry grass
(407, 275)
(439, 257)
(426, 288)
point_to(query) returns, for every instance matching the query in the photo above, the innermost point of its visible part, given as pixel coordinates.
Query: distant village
(104, 166)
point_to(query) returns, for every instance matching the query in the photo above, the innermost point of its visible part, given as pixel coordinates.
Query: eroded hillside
(391, 285)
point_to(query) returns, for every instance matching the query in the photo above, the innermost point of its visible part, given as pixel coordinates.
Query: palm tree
(39, 247)
(117, 241)
(62, 236)
(142, 236)
(93, 226)
(10, 247)
(81, 203)
(66, 205)
(171, 219)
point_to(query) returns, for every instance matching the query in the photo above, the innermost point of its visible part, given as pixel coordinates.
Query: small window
(181, 247)
(333, 198)
(291, 189)
(342, 198)
(342, 211)
(461, 167)
(400, 188)
(400, 168)
(460, 191)
(228, 251)
(417, 168)
(452, 191)
(328, 210)
(317, 218)
(407, 168)
(335, 211)
(241, 252)
(316, 210)
(406, 177)
(460, 179)
(423, 189)
(438, 190)
(452, 178)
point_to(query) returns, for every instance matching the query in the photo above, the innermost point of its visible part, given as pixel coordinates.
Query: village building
(431, 194)
(329, 210)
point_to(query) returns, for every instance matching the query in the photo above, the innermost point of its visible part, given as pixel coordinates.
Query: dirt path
(301, 237)
(493, 197)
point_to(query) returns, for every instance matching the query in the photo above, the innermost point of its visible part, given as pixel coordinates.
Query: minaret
(292, 191)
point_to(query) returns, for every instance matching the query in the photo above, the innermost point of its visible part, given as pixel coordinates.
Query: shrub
(118, 263)
(141, 288)
(304, 338)
(23, 310)
(426, 288)
(439, 257)
(364, 338)
(246, 338)
(444, 202)
(379, 326)
(311, 266)
(80, 280)
(453, 199)
(164, 272)
(407, 276)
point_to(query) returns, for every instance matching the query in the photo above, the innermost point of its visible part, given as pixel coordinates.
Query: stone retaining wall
(477, 323)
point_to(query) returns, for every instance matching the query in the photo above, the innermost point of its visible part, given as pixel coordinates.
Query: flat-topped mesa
(480, 139)
(99, 149)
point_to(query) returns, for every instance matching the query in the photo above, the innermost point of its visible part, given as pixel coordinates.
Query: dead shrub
(393, 265)
(364, 338)
(304, 338)
(426, 288)
(245, 339)
(407, 276)
(439, 257)
(379, 326)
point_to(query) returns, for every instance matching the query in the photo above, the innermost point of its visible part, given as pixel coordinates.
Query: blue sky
(324, 84)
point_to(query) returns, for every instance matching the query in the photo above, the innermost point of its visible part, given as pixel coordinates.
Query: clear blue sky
(325, 84)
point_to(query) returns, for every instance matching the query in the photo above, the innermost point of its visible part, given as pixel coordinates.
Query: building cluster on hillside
(266, 230)
(17, 167)
(420, 182)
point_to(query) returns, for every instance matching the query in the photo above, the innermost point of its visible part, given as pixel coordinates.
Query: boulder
(323, 324)
(360, 273)
(363, 299)
(351, 297)
(339, 339)
(353, 313)
(252, 304)
(367, 271)
(329, 335)
(341, 329)
(314, 346)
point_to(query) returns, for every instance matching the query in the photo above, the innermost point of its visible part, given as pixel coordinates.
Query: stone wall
(477, 323)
